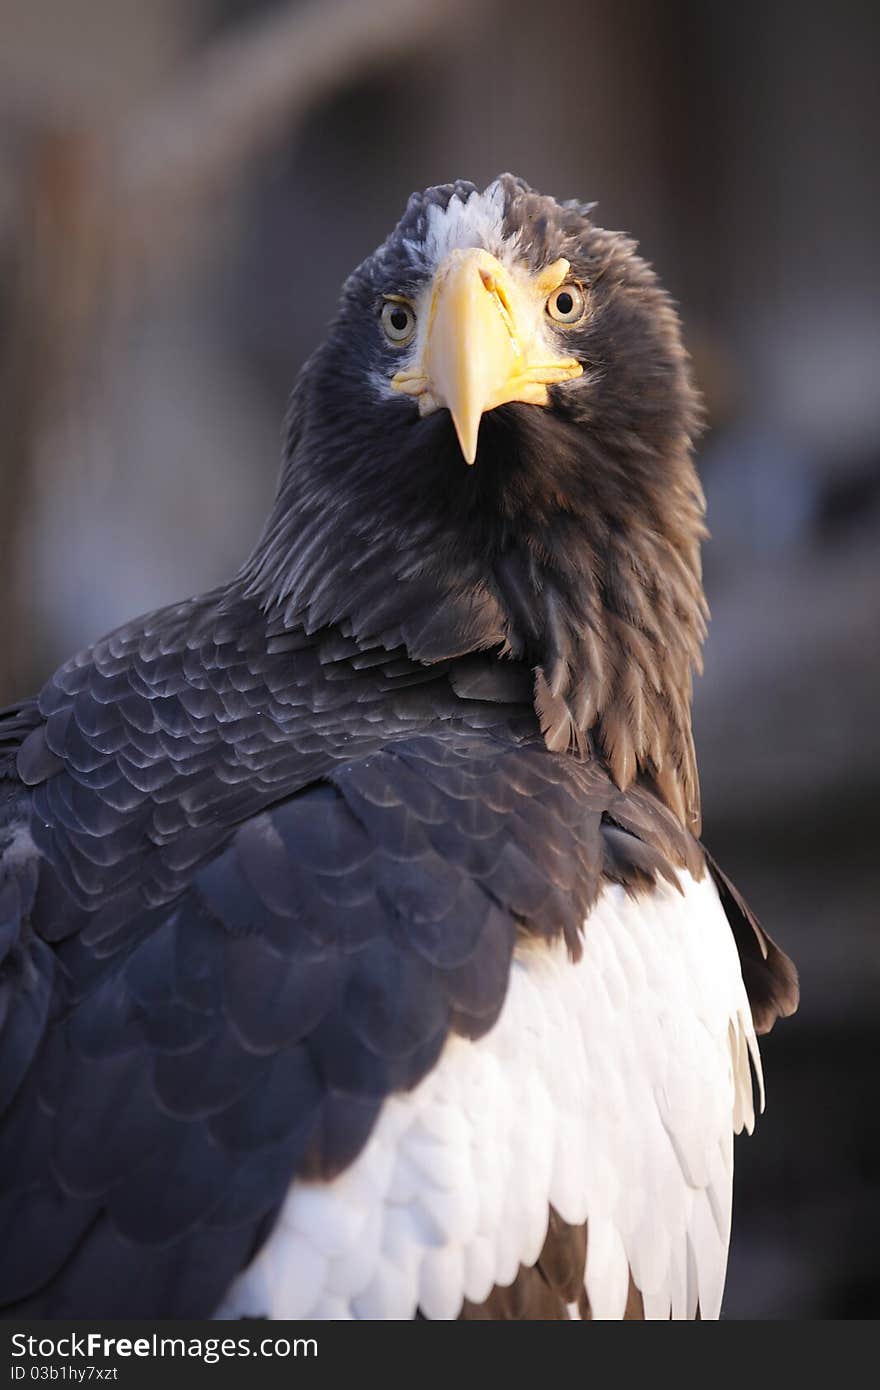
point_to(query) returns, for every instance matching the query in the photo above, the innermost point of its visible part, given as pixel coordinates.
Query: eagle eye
(566, 304)
(398, 319)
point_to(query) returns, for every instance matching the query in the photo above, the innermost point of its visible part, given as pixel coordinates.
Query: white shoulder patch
(478, 221)
(609, 1089)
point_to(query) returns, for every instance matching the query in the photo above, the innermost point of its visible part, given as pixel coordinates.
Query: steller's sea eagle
(358, 954)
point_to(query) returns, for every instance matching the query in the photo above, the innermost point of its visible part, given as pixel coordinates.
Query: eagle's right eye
(398, 321)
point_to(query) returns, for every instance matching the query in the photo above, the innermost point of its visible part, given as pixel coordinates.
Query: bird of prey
(359, 957)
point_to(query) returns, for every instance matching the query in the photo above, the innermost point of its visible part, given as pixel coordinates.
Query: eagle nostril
(487, 278)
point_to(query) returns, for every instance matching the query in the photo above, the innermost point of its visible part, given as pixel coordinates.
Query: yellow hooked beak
(484, 343)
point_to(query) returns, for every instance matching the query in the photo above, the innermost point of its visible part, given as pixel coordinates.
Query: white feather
(475, 221)
(609, 1089)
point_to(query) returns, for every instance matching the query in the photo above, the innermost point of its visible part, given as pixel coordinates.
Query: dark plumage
(263, 852)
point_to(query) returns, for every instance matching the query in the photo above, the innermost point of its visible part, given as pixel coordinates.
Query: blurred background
(183, 187)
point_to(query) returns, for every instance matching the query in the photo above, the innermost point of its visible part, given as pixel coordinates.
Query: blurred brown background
(183, 186)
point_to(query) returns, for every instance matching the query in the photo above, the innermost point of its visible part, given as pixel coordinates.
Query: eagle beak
(483, 346)
(473, 355)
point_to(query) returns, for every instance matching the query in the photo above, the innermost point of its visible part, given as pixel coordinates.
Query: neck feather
(605, 605)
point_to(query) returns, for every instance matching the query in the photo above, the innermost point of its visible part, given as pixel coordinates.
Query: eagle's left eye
(566, 305)
(398, 321)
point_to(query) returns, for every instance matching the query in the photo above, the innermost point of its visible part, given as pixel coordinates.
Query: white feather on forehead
(475, 221)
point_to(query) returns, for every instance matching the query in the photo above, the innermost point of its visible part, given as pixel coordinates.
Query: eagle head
(491, 451)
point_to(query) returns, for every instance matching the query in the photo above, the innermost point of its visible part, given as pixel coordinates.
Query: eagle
(359, 955)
